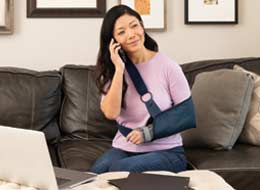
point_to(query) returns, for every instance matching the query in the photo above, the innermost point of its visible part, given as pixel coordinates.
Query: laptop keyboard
(61, 181)
(8, 185)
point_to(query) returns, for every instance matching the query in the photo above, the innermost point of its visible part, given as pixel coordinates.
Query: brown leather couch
(240, 166)
(64, 105)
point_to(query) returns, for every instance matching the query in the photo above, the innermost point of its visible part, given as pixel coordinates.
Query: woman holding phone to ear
(123, 28)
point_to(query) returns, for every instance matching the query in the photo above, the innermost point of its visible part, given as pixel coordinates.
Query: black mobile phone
(121, 53)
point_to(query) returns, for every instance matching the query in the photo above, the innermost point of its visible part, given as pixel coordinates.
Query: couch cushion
(241, 157)
(221, 99)
(240, 167)
(30, 99)
(251, 130)
(80, 113)
(192, 69)
(80, 154)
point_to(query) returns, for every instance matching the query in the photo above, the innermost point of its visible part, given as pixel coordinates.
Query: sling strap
(165, 123)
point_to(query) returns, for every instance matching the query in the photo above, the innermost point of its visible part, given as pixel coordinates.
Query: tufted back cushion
(192, 69)
(80, 113)
(30, 100)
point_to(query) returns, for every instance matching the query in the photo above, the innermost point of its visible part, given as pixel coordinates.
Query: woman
(123, 28)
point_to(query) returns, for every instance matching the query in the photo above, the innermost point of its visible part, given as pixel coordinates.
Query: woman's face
(129, 32)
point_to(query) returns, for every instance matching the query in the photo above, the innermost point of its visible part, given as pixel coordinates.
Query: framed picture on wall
(211, 11)
(153, 12)
(65, 8)
(6, 16)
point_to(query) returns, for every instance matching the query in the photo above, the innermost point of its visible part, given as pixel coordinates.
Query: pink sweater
(165, 79)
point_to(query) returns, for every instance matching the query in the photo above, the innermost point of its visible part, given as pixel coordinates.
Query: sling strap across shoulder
(162, 123)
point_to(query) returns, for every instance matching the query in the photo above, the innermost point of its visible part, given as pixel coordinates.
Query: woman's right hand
(116, 59)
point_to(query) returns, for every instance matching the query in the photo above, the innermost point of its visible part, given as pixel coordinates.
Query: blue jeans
(118, 160)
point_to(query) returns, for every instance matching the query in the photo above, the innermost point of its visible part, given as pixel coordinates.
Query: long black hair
(105, 69)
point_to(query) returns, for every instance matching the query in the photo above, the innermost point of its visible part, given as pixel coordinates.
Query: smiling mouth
(133, 43)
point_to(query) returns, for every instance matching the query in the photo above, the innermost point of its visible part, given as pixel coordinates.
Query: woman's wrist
(119, 71)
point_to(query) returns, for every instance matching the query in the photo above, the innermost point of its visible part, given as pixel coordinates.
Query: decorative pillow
(251, 131)
(221, 99)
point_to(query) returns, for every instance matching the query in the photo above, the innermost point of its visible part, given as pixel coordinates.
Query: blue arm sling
(165, 123)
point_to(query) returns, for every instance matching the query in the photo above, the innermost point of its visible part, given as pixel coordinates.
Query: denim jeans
(118, 160)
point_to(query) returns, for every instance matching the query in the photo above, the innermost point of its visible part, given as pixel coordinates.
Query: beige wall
(44, 44)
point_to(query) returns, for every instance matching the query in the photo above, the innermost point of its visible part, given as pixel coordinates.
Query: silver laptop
(25, 160)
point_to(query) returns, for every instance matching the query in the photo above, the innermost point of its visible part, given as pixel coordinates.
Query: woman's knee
(106, 160)
(100, 167)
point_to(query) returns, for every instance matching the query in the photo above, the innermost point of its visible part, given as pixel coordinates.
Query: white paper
(223, 11)
(2, 12)
(66, 4)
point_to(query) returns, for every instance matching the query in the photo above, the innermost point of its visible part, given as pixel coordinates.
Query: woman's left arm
(180, 116)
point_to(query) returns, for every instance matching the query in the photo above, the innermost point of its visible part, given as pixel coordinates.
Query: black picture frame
(189, 20)
(7, 16)
(34, 12)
